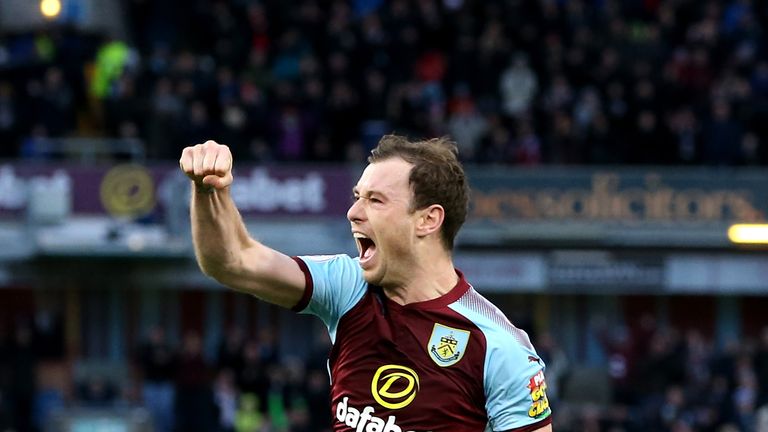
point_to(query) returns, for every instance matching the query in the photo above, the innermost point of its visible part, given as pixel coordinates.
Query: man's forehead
(389, 174)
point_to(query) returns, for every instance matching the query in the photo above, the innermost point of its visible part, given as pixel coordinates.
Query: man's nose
(355, 212)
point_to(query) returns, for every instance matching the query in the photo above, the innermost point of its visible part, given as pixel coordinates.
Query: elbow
(233, 264)
(212, 267)
(206, 268)
(225, 267)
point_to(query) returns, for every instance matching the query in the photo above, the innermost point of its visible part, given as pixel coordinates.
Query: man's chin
(371, 277)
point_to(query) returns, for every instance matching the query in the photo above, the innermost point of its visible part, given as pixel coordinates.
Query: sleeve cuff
(533, 426)
(308, 286)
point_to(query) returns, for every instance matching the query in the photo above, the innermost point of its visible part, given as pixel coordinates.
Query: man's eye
(375, 200)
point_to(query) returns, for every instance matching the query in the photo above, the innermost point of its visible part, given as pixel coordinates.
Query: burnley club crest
(447, 345)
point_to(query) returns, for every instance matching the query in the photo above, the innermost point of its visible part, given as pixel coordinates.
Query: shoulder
(334, 284)
(499, 332)
(513, 374)
(340, 265)
(321, 259)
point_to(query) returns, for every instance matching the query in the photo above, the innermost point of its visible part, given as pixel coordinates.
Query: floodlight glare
(50, 8)
(748, 233)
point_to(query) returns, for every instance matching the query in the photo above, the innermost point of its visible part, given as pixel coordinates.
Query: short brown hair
(437, 177)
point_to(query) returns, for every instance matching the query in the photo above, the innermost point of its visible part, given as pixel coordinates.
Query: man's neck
(426, 280)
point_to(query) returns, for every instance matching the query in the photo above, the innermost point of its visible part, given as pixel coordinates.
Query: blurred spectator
(230, 351)
(761, 367)
(19, 389)
(318, 400)
(466, 125)
(564, 145)
(225, 396)
(252, 377)
(166, 107)
(195, 406)
(497, 144)
(111, 60)
(5, 379)
(527, 145)
(603, 144)
(49, 334)
(23, 379)
(651, 144)
(10, 122)
(57, 103)
(248, 417)
(343, 116)
(5, 411)
(317, 383)
(518, 86)
(280, 393)
(557, 364)
(198, 127)
(158, 363)
(97, 392)
(685, 136)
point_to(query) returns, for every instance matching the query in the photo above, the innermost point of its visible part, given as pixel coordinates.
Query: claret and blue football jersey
(454, 363)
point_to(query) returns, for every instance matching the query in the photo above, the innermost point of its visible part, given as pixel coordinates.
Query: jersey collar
(461, 287)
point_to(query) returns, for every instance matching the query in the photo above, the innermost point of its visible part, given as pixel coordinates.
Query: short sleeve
(334, 285)
(515, 388)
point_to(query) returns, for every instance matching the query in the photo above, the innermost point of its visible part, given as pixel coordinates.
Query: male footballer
(415, 347)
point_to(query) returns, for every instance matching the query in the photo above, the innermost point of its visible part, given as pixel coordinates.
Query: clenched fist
(209, 165)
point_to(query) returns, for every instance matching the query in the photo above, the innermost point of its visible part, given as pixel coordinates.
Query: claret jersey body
(454, 363)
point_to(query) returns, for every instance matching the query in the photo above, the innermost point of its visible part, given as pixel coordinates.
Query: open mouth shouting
(366, 247)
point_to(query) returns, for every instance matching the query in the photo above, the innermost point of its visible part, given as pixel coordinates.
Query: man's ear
(430, 220)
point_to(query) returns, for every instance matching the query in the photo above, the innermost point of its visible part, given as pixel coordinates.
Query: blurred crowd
(669, 380)
(513, 82)
(245, 385)
(651, 378)
(248, 388)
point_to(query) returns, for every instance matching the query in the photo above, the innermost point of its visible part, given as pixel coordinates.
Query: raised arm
(223, 247)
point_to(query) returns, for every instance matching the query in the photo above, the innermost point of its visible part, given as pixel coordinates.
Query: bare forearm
(218, 232)
(223, 248)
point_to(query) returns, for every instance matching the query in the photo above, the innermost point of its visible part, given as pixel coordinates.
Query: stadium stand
(515, 82)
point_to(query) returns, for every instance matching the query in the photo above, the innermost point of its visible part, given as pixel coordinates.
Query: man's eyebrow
(369, 193)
